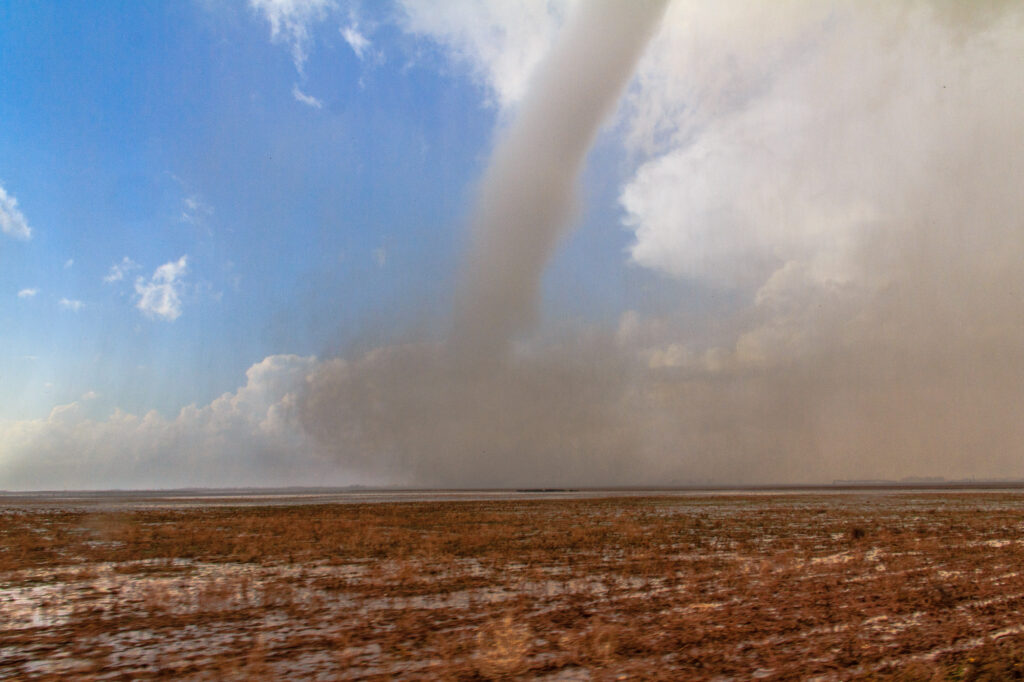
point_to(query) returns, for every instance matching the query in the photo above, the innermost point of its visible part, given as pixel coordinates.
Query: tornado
(527, 198)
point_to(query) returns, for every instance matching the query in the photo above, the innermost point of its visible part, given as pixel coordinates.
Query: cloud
(194, 210)
(798, 133)
(838, 183)
(380, 257)
(119, 270)
(71, 304)
(27, 293)
(12, 222)
(68, 263)
(160, 296)
(90, 395)
(308, 100)
(829, 166)
(836, 188)
(359, 43)
(500, 42)
(247, 437)
(845, 174)
(292, 21)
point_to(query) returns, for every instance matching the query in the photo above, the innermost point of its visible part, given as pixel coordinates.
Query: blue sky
(156, 131)
(153, 131)
(206, 203)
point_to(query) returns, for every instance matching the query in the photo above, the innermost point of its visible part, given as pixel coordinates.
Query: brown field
(913, 586)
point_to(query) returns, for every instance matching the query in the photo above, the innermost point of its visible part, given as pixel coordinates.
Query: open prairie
(902, 585)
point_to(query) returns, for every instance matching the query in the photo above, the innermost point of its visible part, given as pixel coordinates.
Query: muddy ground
(914, 585)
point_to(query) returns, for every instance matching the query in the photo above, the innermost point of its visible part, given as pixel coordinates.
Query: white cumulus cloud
(12, 222)
(796, 131)
(247, 437)
(160, 296)
(28, 293)
(815, 159)
(71, 304)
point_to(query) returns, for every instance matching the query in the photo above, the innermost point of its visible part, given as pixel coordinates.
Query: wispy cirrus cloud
(118, 271)
(359, 43)
(74, 305)
(194, 210)
(303, 98)
(159, 297)
(500, 42)
(12, 221)
(291, 22)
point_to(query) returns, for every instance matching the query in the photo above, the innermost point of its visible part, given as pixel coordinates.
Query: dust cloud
(468, 411)
(851, 173)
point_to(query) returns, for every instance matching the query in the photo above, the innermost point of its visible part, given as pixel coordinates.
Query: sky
(244, 242)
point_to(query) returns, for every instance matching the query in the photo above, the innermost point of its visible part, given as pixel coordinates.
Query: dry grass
(911, 587)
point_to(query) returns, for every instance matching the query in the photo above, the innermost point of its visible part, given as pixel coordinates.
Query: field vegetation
(922, 586)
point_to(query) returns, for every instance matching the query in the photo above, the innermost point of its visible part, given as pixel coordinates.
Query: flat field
(918, 585)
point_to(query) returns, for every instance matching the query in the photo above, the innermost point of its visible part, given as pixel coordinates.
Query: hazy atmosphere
(523, 243)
